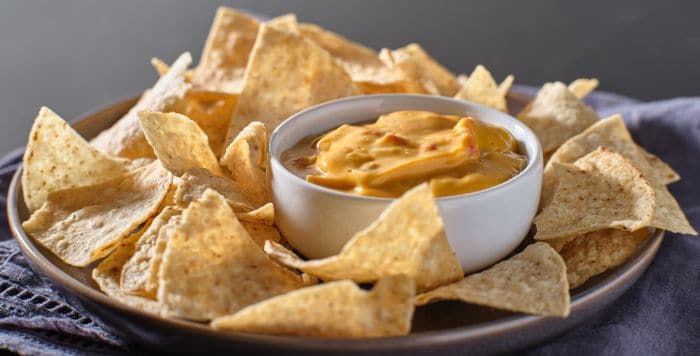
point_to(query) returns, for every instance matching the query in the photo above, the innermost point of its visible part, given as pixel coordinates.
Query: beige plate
(442, 328)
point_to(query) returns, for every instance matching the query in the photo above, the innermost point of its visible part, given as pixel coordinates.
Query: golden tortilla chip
(556, 115)
(58, 158)
(583, 86)
(81, 225)
(462, 79)
(334, 310)
(178, 142)
(108, 272)
(263, 215)
(261, 232)
(286, 74)
(125, 138)
(286, 22)
(369, 73)
(408, 238)
(601, 190)
(668, 215)
(593, 253)
(248, 162)
(211, 267)
(533, 282)
(417, 64)
(481, 88)
(196, 181)
(610, 132)
(136, 273)
(226, 51)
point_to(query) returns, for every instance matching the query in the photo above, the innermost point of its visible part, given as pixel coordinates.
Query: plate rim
(631, 269)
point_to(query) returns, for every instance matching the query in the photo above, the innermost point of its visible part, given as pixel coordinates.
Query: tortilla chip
(211, 111)
(226, 51)
(367, 71)
(178, 142)
(610, 132)
(125, 138)
(408, 238)
(196, 181)
(601, 190)
(287, 22)
(593, 253)
(108, 272)
(668, 215)
(263, 215)
(481, 88)
(58, 158)
(334, 310)
(533, 282)
(556, 115)
(162, 68)
(286, 74)
(136, 273)
(462, 79)
(261, 232)
(81, 225)
(211, 267)
(417, 64)
(248, 162)
(583, 86)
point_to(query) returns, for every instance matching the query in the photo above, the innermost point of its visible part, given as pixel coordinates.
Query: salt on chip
(416, 63)
(226, 51)
(211, 267)
(610, 132)
(194, 182)
(136, 273)
(407, 238)
(593, 253)
(58, 158)
(332, 310)
(248, 162)
(125, 138)
(556, 115)
(368, 72)
(178, 142)
(108, 272)
(481, 88)
(533, 281)
(286, 74)
(81, 225)
(583, 86)
(602, 190)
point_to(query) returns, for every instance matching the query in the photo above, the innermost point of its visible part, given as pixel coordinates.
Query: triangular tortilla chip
(334, 310)
(81, 225)
(610, 132)
(108, 272)
(368, 72)
(583, 86)
(408, 238)
(178, 142)
(196, 181)
(593, 253)
(601, 190)
(481, 88)
(556, 115)
(136, 273)
(58, 158)
(211, 267)
(248, 162)
(226, 51)
(417, 64)
(286, 74)
(125, 138)
(263, 215)
(533, 282)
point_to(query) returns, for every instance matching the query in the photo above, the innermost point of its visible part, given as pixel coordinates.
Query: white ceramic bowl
(482, 227)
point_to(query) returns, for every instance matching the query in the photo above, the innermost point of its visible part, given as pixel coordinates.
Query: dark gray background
(74, 56)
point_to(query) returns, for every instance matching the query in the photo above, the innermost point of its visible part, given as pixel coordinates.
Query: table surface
(76, 55)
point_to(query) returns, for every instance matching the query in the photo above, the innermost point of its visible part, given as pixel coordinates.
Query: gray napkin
(659, 315)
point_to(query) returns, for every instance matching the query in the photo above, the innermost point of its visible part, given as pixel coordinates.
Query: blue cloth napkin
(658, 315)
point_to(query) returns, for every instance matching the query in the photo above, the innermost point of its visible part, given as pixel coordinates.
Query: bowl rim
(533, 164)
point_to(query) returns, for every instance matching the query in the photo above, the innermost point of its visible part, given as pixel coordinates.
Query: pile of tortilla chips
(170, 207)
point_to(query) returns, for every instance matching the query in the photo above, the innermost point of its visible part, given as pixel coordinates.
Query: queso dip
(402, 149)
